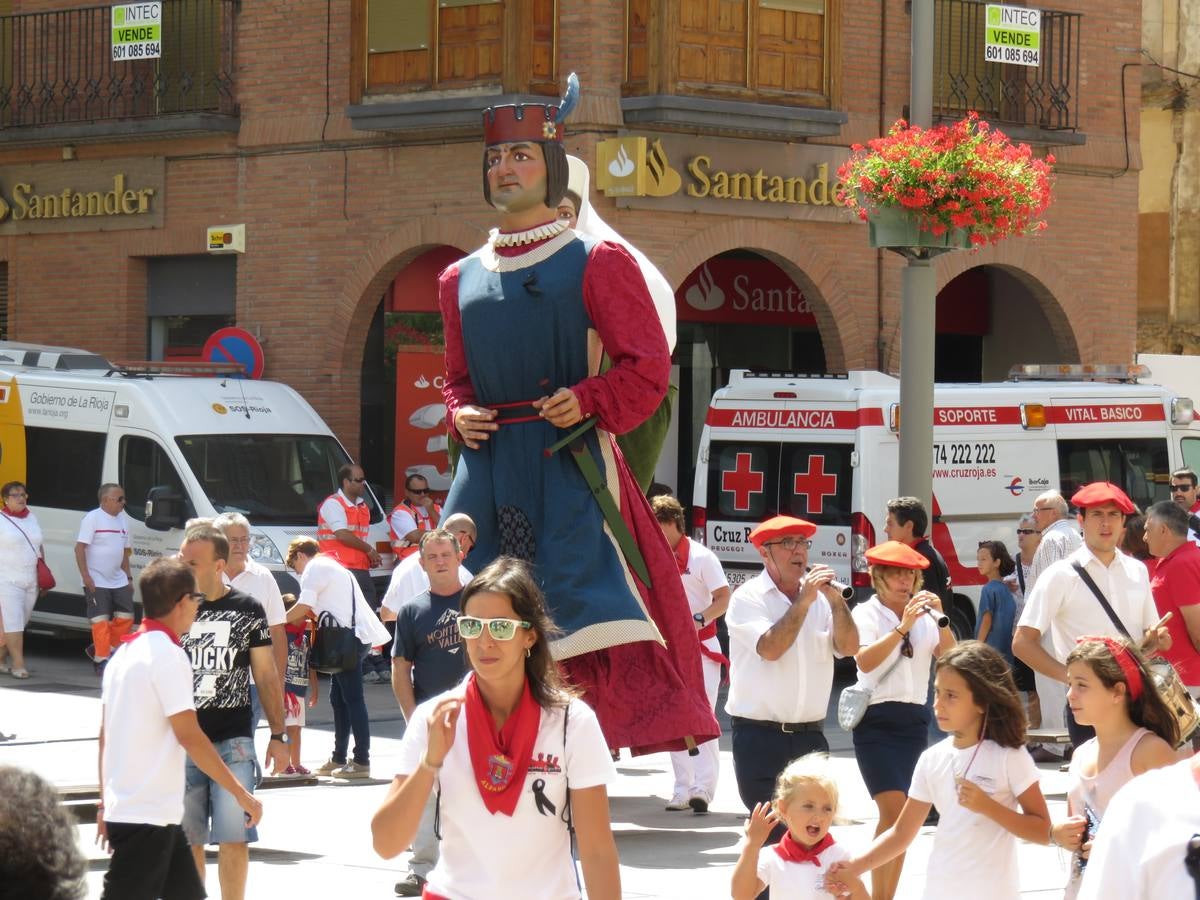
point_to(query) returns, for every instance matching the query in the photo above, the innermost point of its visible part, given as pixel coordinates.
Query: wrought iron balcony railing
(57, 68)
(1044, 97)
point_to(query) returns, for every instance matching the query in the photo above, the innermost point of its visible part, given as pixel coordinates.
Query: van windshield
(271, 479)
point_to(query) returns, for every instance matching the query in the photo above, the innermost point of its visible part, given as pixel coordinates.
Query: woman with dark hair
(897, 641)
(997, 606)
(1109, 688)
(516, 761)
(20, 549)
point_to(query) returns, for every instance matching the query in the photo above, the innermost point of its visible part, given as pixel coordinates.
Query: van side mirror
(165, 509)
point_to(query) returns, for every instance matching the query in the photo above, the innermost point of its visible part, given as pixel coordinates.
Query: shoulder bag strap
(353, 597)
(566, 816)
(1087, 579)
(9, 520)
(1021, 575)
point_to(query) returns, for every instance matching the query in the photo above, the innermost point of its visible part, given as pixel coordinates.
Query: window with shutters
(771, 51)
(404, 46)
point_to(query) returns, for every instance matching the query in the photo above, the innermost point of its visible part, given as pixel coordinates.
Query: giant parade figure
(528, 318)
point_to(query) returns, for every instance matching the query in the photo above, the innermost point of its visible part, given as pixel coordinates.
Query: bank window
(417, 45)
(63, 468)
(776, 51)
(142, 465)
(1140, 467)
(743, 480)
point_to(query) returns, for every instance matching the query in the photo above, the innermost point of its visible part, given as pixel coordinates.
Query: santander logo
(621, 166)
(705, 295)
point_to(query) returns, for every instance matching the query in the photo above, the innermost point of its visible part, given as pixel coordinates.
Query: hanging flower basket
(947, 187)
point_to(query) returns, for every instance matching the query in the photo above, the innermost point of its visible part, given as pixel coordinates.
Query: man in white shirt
(785, 627)
(1062, 604)
(409, 578)
(148, 729)
(102, 553)
(707, 592)
(256, 581)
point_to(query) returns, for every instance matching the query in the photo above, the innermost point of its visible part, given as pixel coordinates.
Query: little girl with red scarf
(806, 798)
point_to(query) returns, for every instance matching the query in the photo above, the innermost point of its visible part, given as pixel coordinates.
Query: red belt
(710, 631)
(515, 413)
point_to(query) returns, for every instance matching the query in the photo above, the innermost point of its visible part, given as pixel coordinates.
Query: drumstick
(1152, 636)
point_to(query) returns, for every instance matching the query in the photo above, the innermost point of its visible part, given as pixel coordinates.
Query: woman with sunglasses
(514, 758)
(20, 548)
(897, 643)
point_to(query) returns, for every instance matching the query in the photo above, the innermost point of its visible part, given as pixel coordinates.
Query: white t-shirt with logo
(409, 580)
(972, 855)
(530, 852)
(106, 537)
(802, 881)
(147, 680)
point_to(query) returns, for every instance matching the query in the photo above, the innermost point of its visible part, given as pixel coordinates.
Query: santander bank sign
(746, 291)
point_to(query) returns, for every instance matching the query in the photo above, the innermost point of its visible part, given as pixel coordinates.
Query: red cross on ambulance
(742, 481)
(815, 484)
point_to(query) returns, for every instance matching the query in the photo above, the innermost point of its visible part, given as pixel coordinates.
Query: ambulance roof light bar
(1118, 372)
(148, 367)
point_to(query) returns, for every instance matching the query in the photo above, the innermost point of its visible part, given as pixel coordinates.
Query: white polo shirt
(106, 537)
(257, 581)
(326, 586)
(409, 580)
(528, 853)
(701, 578)
(793, 688)
(1062, 606)
(908, 681)
(147, 680)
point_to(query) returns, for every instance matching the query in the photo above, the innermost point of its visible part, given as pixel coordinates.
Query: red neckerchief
(682, 551)
(792, 850)
(149, 625)
(12, 515)
(500, 757)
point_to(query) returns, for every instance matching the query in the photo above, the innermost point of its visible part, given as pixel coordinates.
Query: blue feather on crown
(569, 99)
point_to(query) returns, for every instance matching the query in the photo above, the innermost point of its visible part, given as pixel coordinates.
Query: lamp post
(918, 303)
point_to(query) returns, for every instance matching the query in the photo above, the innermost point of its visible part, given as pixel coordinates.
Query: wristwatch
(699, 619)
(281, 737)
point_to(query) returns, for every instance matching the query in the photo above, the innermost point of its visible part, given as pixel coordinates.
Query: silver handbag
(854, 700)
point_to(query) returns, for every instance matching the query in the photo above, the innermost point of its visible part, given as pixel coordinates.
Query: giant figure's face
(516, 175)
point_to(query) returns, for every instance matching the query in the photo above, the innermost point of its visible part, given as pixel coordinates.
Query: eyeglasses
(471, 627)
(906, 647)
(1180, 488)
(790, 543)
(196, 597)
(1028, 531)
(1038, 509)
(418, 490)
(16, 495)
(117, 499)
(239, 541)
(357, 480)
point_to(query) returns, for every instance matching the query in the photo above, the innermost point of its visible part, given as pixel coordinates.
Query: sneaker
(352, 770)
(699, 804)
(329, 768)
(372, 678)
(412, 886)
(678, 803)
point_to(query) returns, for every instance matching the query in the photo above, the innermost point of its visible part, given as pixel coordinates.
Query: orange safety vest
(358, 520)
(420, 517)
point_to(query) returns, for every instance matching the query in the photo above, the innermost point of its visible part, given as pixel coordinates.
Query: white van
(180, 446)
(826, 448)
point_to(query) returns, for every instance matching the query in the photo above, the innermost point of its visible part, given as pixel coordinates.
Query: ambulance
(181, 446)
(826, 448)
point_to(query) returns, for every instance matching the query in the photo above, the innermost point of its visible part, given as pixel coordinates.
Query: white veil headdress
(590, 224)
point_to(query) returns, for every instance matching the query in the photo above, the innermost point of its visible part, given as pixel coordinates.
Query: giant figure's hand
(474, 424)
(561, 409)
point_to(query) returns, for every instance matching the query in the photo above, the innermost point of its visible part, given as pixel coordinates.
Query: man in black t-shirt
(907, 522)
(427, 660)
(228, 639)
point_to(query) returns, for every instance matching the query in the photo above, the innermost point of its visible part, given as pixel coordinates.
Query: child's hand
(971, 796)
(841, 883)
(1069, 832)
(844, 872)
(761, 821)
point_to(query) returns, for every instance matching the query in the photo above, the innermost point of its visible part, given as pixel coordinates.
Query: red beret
(778, 526)
(1100, 492)
(894, 553)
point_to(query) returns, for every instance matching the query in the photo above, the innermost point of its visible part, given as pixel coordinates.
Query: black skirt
(888, 742)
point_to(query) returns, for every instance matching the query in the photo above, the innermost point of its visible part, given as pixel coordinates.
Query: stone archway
(813, 269)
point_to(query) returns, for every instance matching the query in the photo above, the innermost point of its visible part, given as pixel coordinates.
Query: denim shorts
(205, 801)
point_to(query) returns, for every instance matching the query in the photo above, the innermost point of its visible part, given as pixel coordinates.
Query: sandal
(20, 673)
(5, 668)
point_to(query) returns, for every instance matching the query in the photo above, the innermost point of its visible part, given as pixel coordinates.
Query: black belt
(785, 727)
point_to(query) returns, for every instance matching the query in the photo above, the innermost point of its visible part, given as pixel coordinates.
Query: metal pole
(917, 316)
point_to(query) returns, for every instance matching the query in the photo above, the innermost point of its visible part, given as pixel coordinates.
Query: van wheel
(960, 623)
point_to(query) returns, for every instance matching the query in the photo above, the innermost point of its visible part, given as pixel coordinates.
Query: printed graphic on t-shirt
(444, 633)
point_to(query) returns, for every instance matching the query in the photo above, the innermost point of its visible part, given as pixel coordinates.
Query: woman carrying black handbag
(346, 631)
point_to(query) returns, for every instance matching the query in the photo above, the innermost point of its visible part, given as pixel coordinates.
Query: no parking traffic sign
(235, 345)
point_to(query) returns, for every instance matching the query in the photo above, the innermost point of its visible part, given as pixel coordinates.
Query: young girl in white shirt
(806, 799)
(977, 777)
(1110, 689)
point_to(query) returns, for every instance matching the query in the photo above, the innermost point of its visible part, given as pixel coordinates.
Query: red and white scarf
(500, 756)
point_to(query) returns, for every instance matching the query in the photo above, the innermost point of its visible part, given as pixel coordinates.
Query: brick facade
(332, 214)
